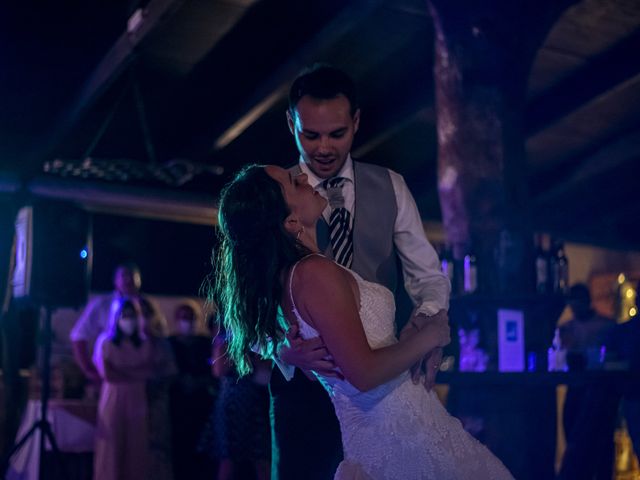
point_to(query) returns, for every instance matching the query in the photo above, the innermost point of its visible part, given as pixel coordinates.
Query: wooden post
(483, 54)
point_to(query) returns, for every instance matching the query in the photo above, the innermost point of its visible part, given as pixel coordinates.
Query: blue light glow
(83, 253)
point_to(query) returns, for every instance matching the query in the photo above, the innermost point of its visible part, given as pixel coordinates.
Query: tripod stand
(42, 424)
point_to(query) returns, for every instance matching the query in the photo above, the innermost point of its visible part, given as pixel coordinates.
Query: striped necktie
(340, 234)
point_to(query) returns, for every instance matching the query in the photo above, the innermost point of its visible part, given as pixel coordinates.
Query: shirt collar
(346, 172)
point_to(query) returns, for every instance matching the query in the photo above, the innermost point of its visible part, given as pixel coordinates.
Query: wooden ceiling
(188, 91)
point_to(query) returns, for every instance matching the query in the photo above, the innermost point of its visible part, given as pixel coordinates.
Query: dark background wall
(174, 258)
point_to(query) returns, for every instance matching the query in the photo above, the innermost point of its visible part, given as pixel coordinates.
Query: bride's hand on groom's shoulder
(307, 355)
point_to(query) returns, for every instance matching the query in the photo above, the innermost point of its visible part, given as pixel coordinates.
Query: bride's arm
(325, 298)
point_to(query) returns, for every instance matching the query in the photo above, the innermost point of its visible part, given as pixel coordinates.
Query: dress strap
(294, 309)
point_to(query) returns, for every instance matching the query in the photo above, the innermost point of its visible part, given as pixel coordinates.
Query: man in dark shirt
(590, 410)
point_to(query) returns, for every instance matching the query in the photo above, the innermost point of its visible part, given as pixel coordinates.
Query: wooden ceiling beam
(619, 151)
(395, 123)
(617, 228)
(142, 27)
(585, 85)
(275, 88)
(595, 202)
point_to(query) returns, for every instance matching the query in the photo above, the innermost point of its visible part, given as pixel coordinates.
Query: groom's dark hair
(323, 82)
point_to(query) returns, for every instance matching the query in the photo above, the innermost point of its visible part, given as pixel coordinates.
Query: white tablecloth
(73, 426)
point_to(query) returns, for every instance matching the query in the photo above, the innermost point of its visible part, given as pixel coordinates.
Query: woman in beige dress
(124, 357)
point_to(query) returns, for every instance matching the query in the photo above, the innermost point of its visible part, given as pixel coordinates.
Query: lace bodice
(378, 307)
(398, 429)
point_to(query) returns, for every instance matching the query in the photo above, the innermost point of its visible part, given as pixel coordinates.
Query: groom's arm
(307, 355)
(426, 284)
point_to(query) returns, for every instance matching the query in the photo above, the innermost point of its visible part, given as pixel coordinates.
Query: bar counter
(532, 379)
(516, 414)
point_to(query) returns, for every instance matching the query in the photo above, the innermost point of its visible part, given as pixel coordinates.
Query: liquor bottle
(446, 263)
(470, 273)
(559, 269)
(563, 269)
(557, 356)
(541, 266)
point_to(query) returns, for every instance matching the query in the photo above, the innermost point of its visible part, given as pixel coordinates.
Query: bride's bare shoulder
(317, 263)
(319, 284)
(317, 268)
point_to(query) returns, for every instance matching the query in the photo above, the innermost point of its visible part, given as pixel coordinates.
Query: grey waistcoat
(374, 256)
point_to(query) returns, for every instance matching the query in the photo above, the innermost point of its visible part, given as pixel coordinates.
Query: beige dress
(122, 434)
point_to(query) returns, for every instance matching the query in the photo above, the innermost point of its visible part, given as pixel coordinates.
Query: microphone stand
(42, 424)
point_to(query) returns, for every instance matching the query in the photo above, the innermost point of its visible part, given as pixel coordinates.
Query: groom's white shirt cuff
(286, 369)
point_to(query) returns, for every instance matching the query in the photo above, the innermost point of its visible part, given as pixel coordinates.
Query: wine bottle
(541, 266)
(446, 262)
(560, 269)
(557, 355)
(470, 273)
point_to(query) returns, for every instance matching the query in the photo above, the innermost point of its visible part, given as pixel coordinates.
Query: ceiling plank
(599, 76)
(617, 152)
(275, 88)
(142, 27)
(122, 52)
(395, 122)
(392, 110)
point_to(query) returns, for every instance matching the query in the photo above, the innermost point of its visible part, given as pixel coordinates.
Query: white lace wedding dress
(398, 430)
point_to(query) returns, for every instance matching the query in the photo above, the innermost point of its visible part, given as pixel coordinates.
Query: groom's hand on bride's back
(307, 355)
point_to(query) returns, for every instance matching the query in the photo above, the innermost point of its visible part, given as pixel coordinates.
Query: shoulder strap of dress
(293, 269)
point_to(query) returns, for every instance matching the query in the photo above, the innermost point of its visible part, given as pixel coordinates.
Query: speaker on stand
(52, 269)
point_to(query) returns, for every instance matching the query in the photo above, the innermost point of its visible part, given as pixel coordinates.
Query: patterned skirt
(239, 426)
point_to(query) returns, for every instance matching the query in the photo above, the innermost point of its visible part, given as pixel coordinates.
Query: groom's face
(324, 131)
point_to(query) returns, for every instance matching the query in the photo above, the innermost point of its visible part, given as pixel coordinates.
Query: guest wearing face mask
(98, 313)
(124, 359)
(191, 393)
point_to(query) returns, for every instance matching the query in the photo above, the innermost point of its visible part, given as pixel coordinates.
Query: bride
(270, 276)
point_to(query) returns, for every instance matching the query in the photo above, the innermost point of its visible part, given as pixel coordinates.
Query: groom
(368, 232)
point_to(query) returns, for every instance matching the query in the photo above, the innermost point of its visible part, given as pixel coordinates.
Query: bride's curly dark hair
(254, 251)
